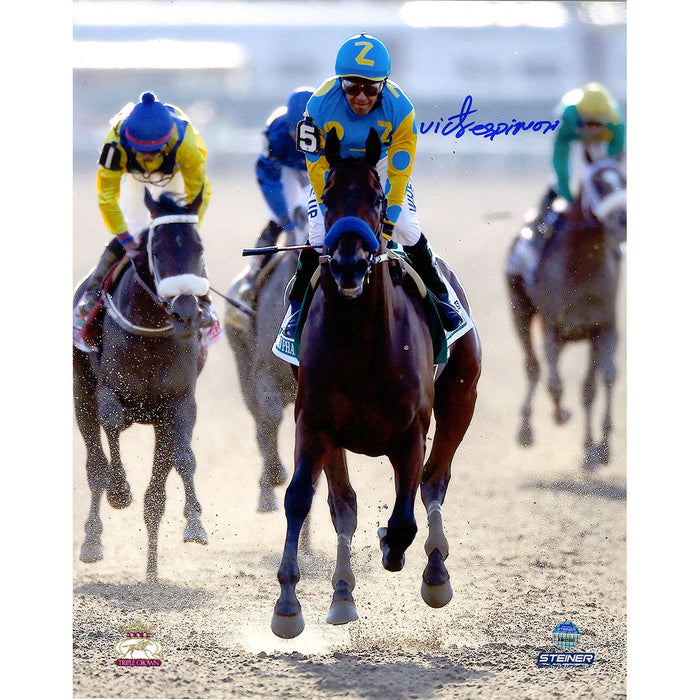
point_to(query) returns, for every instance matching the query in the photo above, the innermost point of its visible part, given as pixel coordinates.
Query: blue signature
(457, 125)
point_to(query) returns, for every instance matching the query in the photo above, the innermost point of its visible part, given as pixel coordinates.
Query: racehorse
(366, 384)
(267, 383)
(146, 373)
(574, 293)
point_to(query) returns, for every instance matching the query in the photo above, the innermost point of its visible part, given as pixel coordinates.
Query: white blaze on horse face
(180, 285)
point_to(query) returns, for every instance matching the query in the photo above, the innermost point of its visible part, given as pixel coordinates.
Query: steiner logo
(138, 648)
(562, 659)
(565, 636)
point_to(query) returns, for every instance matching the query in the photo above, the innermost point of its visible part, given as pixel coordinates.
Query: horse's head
(354, 202)
(604, 197)
(174, 256)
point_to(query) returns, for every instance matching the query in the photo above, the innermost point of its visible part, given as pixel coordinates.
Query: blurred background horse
(573, 291)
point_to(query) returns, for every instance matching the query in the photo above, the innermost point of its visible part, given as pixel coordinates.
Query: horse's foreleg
(174, 444)
(552, 348)
(287, 620)
(342, 502)
(523, 314)
(112, 418)
(603, 350)
(401, 529)
(153, 509)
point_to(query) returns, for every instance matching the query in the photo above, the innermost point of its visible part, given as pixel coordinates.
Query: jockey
(281, 173)
(591, 121)
(149, 145)
(358, 98)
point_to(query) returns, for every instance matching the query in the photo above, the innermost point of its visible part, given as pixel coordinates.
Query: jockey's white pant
(133, 206)
(295, 190)
(406, 232)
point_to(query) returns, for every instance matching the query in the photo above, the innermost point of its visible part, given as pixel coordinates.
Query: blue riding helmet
(296, 105)
(363, 56)
(149, 126)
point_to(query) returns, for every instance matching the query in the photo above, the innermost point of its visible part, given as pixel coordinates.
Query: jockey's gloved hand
(129, 243)
(288, 226)
(387, 229)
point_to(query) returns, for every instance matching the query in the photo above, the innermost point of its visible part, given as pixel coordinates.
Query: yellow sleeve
(191, 159)
(109, 185)
(400, 157)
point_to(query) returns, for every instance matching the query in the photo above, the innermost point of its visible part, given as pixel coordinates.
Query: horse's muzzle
(184, 313)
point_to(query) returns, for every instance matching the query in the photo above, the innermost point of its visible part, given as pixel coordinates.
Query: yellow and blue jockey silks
(592, 103)
(184, 152)
(394, 119)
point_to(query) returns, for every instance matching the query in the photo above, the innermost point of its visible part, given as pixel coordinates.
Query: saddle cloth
(287, 349)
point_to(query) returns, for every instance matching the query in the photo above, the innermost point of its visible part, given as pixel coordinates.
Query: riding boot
(92, 295)
(245, 285)
(308, 262)
(421, 258)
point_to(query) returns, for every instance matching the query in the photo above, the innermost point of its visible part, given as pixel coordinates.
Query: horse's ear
(150, 202)
(373, 147)
(193, 206)
(332, 149)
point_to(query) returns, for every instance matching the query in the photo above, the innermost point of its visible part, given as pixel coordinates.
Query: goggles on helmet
(354, 87)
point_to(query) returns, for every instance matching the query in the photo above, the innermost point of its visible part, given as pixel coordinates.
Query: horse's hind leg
(84, 384)
(342, 501)
(407, 460)
(523, 314)
(553, 347)
(268, 420)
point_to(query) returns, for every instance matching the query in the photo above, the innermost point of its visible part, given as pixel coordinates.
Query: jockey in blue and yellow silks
(284, 183)
(149, 145)
(360, 97)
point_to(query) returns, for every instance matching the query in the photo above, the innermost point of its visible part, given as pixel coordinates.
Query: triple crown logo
(138, 648)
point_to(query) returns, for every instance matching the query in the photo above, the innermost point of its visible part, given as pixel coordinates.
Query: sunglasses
(354, 89)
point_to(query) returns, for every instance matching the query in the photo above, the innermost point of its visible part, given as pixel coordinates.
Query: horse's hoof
(562, 416)
(287, 626)
(276, 476)
(436, 596)
(390, 560)
(120, 497)
(525, 436)
(342, 612)
(267, 501)
(194, 532)
(91, 552)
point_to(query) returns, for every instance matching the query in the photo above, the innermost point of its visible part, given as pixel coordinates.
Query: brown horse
(146, 372)
(366, 384)
(574, 292)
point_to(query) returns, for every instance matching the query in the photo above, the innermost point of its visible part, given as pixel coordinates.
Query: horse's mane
(170, 203)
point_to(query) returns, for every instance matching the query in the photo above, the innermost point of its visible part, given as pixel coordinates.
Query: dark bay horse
(146, 372)
(366, 384)
(574, 293)
(267, 383)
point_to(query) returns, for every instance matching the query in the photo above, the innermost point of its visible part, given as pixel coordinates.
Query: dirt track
(533, 540)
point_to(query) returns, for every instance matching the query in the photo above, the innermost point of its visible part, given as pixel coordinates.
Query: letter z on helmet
(363, 56)
(149, 126)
